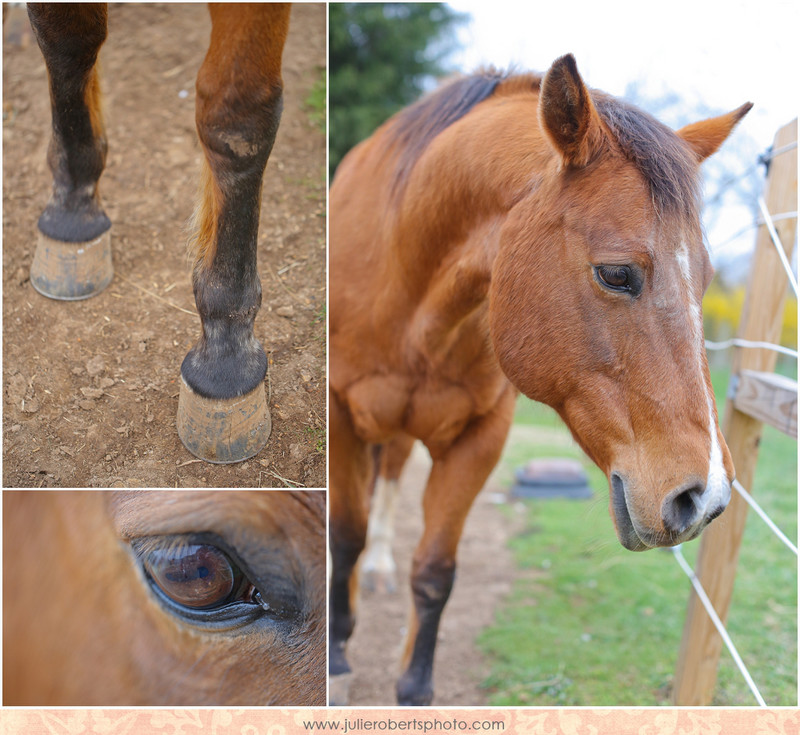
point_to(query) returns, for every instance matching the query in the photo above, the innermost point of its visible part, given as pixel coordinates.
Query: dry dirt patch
(91, 387)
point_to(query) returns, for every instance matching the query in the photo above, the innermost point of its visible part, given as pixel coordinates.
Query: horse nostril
(679, 510)
(618, 496)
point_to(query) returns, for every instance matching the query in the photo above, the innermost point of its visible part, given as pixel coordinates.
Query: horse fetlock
(379, 579)
(378, 570)
(73, 218)
(225, 363)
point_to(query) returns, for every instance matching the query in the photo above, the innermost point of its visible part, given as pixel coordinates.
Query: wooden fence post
(696, 672)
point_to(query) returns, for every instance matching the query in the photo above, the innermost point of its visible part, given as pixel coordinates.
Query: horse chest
(434, 410)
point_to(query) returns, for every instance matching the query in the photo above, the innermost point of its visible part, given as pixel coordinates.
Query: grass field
(589, 623)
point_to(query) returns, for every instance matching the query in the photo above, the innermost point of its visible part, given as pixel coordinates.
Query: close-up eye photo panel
(400, 367)
(144, 598)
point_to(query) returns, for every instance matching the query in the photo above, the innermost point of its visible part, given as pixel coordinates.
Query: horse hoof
(223, 430)
(412, 693)
(70, 271)
(339, 689)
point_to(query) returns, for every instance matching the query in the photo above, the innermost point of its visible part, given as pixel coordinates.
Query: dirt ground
(484, 577)
(91, 387)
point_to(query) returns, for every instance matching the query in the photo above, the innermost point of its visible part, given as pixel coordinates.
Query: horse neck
(470, 174)
(447, 223)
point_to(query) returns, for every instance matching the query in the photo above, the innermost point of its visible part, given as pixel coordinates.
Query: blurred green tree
(382, 56)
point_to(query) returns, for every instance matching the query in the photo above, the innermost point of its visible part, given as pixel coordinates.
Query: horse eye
(615, 277)
(197, 576)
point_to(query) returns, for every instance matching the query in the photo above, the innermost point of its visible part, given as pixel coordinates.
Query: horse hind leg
(73, 254)
(222, 412)
(378, 569)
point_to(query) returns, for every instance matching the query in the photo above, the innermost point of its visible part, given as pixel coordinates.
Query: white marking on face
(718, 488)
(694, 306)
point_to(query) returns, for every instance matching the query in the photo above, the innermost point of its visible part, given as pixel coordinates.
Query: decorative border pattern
(268, 721)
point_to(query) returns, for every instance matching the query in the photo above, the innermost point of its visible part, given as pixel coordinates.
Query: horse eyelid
(635, 279)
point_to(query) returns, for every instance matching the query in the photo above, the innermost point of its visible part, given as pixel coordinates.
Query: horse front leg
(456, 478)
(351, 468)
(222, 409)
(73, 253)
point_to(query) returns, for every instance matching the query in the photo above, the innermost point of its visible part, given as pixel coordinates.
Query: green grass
(316, 101)
(589, 623)
(317, 435)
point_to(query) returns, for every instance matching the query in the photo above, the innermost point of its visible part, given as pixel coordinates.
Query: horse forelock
(658, 153)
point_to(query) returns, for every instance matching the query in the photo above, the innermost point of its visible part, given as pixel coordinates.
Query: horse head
(595, 305)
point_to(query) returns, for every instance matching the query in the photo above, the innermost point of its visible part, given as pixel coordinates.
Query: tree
(382, 56)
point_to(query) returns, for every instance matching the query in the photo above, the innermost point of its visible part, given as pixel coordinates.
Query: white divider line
(701, 594)
(764, 517)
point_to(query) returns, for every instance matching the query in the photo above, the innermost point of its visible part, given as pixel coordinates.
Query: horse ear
(567, 114)
(706, 136)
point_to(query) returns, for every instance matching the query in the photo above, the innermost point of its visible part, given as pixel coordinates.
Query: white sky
(724, 52)
(719, 52)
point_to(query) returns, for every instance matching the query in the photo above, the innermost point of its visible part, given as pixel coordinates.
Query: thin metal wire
(764, 517)
(771, 153)
(755, 223)
(703, 597)
(776, 241)
(736, 342)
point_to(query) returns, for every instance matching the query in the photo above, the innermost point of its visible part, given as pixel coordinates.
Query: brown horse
(514, 232)
(164, 598)
(222, 414)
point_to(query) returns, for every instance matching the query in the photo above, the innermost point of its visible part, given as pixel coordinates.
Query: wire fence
(768, 220)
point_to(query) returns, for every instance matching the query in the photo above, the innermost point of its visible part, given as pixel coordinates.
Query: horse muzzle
(684, 512)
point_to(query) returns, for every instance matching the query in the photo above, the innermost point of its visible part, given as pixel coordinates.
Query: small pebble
(96, 365)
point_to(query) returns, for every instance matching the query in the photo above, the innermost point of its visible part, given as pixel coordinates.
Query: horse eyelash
(147, 544)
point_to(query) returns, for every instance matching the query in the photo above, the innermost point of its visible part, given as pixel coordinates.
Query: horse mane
(657, 152)
(414, 127)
